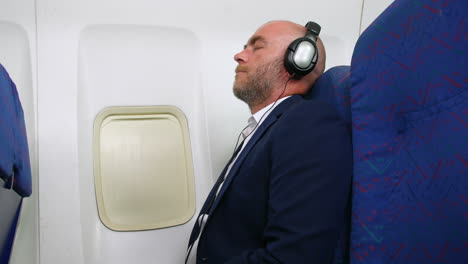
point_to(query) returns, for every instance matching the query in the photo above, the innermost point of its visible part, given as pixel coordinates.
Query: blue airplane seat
(15, 170)
(409, 109)
(333, 87)
(15, 167)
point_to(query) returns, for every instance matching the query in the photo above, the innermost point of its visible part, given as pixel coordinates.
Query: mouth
(240, 69)
(240, 75)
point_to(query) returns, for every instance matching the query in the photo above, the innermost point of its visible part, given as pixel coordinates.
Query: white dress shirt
(254, 122)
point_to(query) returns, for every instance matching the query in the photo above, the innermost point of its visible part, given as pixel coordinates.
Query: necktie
(209, 204)
(252, 123)
(250, 127)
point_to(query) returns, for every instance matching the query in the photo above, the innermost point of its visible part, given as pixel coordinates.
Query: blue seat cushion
(410, 126)
(15, 167)
(333, 87)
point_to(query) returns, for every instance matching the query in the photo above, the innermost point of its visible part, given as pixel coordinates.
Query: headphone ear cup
(301, 57)
(289, 63)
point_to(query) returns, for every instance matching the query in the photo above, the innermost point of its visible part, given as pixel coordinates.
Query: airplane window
(143, 168)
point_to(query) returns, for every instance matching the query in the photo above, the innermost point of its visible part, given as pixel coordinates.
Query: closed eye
(256, 42)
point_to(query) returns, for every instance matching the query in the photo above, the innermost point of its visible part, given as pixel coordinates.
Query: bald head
(288, 32)
(261, 76)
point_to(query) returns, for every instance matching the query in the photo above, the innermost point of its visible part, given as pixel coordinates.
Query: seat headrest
(333, 87)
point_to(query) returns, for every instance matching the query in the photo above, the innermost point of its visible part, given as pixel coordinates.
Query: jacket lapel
(271, 119)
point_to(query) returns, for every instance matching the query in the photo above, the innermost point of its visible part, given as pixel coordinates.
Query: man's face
(254, 84)
(260, 67)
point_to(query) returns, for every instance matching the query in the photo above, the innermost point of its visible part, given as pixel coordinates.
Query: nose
(241, 57)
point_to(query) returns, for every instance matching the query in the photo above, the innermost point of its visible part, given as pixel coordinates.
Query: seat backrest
(333, 87)
(15, 167)
(15, 170)
(409, 108)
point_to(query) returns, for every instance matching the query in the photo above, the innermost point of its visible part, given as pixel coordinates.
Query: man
(282, 197)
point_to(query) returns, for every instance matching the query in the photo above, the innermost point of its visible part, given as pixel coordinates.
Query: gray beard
(258, 88)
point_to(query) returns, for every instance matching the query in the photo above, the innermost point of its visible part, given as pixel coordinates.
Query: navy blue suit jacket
(285, 198)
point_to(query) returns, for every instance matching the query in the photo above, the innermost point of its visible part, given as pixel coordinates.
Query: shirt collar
(264, 112)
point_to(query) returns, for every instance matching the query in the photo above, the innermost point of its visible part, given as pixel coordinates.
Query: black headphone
(302, 55)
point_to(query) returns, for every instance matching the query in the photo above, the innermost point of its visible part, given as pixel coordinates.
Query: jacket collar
(272, 118)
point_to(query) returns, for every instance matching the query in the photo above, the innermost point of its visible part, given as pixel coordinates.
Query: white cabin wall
(371, 10)
(18, 56)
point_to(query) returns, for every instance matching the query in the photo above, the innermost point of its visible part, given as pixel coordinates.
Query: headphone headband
(313, 30)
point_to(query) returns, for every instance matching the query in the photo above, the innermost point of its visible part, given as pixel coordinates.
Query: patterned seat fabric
(409, 108)
(333, 86)
(14, 154)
